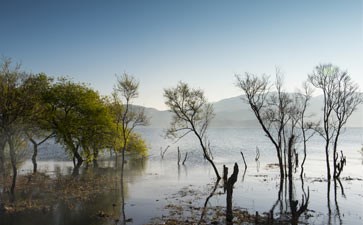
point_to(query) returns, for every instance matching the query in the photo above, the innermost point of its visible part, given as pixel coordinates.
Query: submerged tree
(278, 113)
(191, 114)
(341, 99)
(307, 128)
(282, 116)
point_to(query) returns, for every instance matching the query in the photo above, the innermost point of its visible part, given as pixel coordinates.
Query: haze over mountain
(233, 112)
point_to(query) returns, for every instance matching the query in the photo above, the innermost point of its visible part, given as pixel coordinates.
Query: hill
(233, 112)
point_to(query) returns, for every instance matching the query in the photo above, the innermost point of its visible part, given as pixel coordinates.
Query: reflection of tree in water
(289, 208)
(337, 215)
(207, 200)
(19, 156)
(132, 169)
(287, 203)
(61, 198)
(110, 204)
(185, 170)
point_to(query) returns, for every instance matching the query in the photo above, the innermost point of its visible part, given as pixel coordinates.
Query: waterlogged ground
(158, 191)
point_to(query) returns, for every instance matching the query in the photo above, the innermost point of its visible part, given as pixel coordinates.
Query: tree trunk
(2, 157)
(122, 162)
(78, 157)
(279, 198)
(290, 155)
(75, 171)
(213, 165)
(281, 164)
(336, 173)
(231, 181)
(225, 178)
(327, 160)
(34, 156)
(95, 157)
(2, 172)
(205, 152)
(225, 174)
(122, 220)
(328, 198)
(95, 163)
(13, 165)
(304, 159)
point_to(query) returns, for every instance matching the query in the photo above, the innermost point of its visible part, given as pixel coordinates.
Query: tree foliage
(15, 112)
(126, 116)
(78, 118)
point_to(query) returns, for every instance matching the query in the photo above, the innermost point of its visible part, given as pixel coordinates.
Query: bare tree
(277, 112)
(256, 90)
(192, 114)
(309, 127)
(341, 99)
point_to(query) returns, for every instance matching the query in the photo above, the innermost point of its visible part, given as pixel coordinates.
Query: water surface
(152, 183)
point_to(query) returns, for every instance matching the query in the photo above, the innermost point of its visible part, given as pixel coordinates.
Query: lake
(154, 184)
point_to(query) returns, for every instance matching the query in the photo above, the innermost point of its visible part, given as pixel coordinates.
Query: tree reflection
(134, 167)
(184, 168)
(122, 219)
(201, 220)
(337, 215)
(287, 202)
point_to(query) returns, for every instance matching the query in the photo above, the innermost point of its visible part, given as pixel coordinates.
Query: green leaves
(78, 116)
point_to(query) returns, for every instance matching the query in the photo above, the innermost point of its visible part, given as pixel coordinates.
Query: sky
(161, 42)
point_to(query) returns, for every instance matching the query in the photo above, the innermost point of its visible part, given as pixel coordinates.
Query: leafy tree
(137, 145)
(37, 128)
(97, 134)
(191, 114)
(77, 115)
(15, 109)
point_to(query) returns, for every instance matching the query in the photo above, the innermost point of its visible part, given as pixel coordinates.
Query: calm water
(150, 184)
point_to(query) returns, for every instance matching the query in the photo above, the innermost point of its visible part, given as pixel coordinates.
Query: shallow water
(152, 183)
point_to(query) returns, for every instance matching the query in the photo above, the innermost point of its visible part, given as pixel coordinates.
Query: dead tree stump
(231, 181)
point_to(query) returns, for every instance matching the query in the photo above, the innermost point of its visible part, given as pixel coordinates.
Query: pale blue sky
(203, 43)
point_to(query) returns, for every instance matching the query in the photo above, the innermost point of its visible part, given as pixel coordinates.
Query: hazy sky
(203, 43)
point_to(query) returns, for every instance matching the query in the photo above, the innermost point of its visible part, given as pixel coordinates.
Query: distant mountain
(158, 118)
(234, 112)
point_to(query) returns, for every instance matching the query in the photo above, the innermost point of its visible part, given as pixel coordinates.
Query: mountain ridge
(234, 112)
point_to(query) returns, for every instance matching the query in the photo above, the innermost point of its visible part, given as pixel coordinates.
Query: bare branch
(191, 113)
